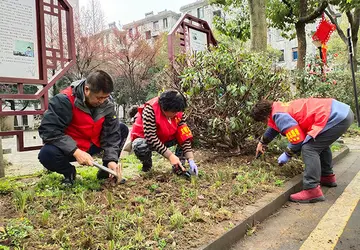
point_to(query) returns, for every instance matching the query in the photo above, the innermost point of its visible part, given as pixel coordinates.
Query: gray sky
(127, 11)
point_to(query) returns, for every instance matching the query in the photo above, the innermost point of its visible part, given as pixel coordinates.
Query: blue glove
(193, 167)
(284, 158)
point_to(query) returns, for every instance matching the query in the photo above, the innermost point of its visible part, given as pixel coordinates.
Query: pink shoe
(308, 195)
(328, 181)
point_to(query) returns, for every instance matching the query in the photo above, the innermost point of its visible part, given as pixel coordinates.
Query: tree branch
(315, 14)
(334, 21)
(291, 11)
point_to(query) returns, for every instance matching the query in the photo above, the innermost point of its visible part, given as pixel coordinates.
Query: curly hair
(173, 101)
(261, 111)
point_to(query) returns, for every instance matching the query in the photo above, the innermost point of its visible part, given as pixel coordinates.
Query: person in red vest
(81, 121)
(311, 126)
(160, 124)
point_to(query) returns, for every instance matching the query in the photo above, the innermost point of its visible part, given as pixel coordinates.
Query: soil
(143, 212)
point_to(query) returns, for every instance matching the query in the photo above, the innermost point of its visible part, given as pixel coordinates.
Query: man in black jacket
(80, 122)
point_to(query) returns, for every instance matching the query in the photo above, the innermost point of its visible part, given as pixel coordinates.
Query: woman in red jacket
(311, 126)
(160, 124)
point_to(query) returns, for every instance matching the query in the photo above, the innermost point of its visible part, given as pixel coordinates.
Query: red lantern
(324, 31)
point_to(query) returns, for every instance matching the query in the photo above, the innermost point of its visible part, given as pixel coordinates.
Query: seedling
(157, 231)
(44, 220)
(177, 220)
(20, 199)
(110, 199)
(110, 228)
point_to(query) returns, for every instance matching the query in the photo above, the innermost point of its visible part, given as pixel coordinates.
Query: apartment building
(288, 48)
(202, 10)
(152, 25)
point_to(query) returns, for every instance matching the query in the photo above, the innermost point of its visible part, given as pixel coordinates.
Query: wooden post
(2, 165)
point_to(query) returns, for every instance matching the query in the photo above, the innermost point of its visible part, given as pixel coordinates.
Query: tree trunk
(301, 38)
(258, 25)
(355, 33)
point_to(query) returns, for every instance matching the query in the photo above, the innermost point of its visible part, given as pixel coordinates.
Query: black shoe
(69, 180)
(102, 175)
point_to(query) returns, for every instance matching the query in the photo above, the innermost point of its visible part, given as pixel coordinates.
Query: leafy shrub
(312, 82)
(222, 86)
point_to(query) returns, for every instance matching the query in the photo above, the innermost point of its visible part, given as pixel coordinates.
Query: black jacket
(59, 115)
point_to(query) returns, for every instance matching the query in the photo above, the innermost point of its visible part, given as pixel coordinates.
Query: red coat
(165, 130)
(83, 129)
(311, 114)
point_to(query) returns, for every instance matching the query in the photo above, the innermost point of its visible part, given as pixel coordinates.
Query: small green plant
(195, 214)
(140, 210)
(140, 199)
(279, 183)
(81, 204)
(162, 243)
(139, 236)
(110, 228)
(20, 199)
(157, 231)
(61, 237)
(177, 220)
(18, 229)
(172, 208)
(251, 231)
(44, 219)
(153, 187)
(110, 199)
(111, 245)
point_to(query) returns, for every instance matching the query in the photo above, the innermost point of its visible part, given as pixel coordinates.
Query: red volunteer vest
(83, 129)
(165, 130)
(312, 114)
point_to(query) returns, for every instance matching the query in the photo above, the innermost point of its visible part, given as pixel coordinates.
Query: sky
(127, 11)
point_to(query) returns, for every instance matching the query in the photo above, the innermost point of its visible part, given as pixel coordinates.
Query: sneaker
(69, 180)
(308, 195)
(328, 181)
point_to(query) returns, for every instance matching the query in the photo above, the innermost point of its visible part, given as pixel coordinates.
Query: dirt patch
(156, 210)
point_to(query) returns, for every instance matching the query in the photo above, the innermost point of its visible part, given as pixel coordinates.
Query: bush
(335, 84)
(222, 86)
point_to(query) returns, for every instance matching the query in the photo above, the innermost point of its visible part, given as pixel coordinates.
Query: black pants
(143, 151)
(317, 155)
(54, 159)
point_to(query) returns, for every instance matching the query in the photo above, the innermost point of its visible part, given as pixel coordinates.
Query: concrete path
(22, 163)
(324, 225)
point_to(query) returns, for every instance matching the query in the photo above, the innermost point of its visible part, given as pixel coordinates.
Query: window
(295, 53)
(217, 13)
(200, 12)
(165, 23)
(148, 34)
(156, 25)
(281, 58)
(25, 120)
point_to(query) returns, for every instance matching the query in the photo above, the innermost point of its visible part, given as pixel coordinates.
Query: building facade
(288, 48)
(203, 10)
(152, 25)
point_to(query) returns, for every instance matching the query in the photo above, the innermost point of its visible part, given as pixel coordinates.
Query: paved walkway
(22, 163)
(332, 224)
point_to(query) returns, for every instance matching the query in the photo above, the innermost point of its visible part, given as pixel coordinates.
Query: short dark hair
(261, 111)
(99, 80)
(173, 101)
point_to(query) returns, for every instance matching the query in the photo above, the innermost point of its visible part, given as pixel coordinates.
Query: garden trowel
(116, 175)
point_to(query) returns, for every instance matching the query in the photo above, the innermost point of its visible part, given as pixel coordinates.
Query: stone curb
(263, 208)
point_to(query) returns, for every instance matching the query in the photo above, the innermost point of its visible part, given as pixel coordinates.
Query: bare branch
(315, 14)
(334, 21)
